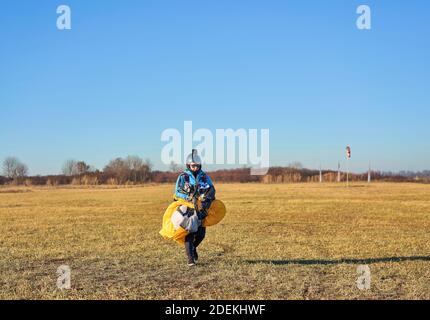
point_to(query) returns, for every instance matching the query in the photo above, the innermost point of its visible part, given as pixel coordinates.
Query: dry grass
(301, 241)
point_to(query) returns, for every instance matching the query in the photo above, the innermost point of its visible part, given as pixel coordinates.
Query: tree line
(128, 170)
(133, 170)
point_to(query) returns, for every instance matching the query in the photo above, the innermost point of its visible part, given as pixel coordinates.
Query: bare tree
(21, 170)
(14, 169)
(137, 168)
(174, 167)
(69, 168)
(9, 165)
(132, 168)
(76, 168)
(117, 168)
(82, 168)
(147, 169)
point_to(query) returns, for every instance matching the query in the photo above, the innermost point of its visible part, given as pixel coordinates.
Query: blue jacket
(187, 184)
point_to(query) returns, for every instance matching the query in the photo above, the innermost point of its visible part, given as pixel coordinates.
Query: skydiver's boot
(195, 254)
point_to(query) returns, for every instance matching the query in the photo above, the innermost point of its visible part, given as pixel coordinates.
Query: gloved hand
(202, 214)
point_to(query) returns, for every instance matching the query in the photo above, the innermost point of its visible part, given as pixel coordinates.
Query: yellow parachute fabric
(216, 213)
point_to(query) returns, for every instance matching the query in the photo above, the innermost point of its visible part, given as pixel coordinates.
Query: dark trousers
(193, 240)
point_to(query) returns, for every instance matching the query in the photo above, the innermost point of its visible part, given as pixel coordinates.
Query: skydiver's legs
(189, 248)
(198, 238)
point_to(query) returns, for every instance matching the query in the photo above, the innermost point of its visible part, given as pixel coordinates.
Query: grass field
(297, 241)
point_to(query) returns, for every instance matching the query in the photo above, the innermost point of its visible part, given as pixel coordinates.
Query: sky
(127, 70)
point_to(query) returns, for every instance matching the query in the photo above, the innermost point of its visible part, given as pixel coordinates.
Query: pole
(369, 175)
(347, 172)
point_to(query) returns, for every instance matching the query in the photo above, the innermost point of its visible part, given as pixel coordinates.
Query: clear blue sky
(130, 69)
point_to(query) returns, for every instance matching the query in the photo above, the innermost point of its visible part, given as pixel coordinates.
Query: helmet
(194, 158)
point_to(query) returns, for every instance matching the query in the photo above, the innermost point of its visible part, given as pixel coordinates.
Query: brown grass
(299, 241)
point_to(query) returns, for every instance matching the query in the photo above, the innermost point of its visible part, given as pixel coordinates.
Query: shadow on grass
(341, 261)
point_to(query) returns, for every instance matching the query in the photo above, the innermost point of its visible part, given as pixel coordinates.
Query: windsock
(348, 152)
